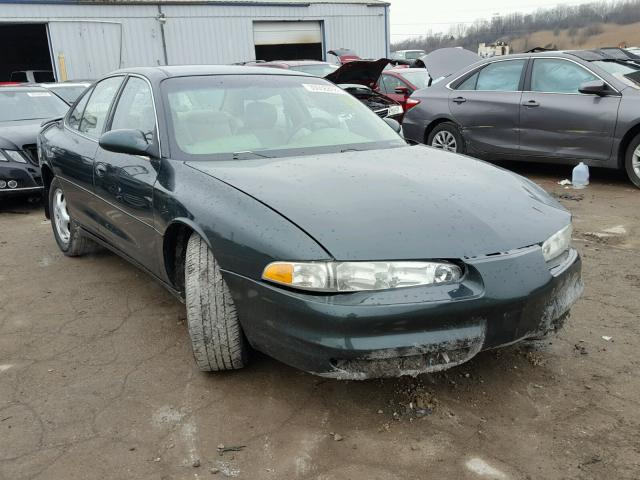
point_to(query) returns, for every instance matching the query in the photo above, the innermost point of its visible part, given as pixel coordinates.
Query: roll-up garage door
(288, 40)
(86, 50)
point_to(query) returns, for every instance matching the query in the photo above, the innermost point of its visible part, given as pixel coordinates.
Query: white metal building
(80, 39)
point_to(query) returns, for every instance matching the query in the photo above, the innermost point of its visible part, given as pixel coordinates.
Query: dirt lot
(97, 379)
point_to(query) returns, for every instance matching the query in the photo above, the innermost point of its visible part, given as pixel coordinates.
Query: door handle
(101, 169)
(459, 100)
(531, 103)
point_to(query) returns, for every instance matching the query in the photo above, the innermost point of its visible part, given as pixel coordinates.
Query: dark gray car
(559, 107)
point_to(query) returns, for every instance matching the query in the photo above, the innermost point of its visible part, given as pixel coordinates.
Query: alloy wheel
(61, 217)
(635, 161)
(445, 140)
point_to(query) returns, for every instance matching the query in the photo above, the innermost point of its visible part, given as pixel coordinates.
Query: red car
(400, 83)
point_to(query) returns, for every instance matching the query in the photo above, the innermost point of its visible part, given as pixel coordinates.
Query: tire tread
(216, 336)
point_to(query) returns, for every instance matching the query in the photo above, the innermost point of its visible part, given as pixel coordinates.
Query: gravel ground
(97, 379)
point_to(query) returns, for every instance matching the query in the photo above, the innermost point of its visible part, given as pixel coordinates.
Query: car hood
(398, 204)
(13, 135)
(361, 72)
(446, 61)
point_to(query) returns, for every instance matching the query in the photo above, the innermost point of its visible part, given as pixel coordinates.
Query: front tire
(66, 231)
(632, 161)
(446, 136)
(216, 335)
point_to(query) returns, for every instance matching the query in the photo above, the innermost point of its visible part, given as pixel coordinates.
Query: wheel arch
(174, 247)
(47, 178)
(434, 124)
(624, 143)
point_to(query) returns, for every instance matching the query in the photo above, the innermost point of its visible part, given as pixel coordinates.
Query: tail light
(410, 103)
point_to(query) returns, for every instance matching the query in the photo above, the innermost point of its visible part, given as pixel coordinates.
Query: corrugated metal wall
(95, 39)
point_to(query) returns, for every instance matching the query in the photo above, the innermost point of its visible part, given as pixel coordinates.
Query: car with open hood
(360, 78)
(561, 107)
(292, 220)
(22, 110)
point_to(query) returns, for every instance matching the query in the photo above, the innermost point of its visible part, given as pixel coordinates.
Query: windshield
(626, 72)
(419, 78)
(237, 116)
(69, 93)
(30, 105)
(414, 54)
(318, 70)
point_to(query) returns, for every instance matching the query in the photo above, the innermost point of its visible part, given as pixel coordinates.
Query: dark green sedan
(292, 220)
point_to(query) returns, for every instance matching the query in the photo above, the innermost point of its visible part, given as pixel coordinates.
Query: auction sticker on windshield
(39, 94)
(311, 87)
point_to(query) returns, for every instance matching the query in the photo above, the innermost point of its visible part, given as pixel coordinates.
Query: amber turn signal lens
(279, 272)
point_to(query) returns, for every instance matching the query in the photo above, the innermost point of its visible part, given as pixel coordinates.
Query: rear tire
(216, 335)
(632, 161)
(446, 136)
(66, 231)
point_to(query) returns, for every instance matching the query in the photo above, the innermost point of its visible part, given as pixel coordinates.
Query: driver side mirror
(128, 141)
(403, 91)
(597, 87)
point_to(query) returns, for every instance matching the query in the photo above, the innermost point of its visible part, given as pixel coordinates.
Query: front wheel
(632, 161)
(216, 336)
(446, 136)
(66, 231)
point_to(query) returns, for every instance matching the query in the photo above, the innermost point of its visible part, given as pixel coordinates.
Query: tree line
(586, 17)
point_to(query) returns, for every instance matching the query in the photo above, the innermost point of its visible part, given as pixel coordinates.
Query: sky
(411, 18)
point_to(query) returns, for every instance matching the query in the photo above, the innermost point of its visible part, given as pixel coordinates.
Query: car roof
(401, 70)
(296, 62)
(59, 84)
(23, 88)
(195, 70)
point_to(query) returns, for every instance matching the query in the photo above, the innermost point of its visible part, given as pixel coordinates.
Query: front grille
(31, 152)
(382, 113)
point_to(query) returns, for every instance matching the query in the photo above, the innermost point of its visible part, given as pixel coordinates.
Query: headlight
(12, 155)
(557, 243)
(395, 110)
(356, 276)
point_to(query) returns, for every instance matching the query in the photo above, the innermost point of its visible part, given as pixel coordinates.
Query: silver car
(556, 107)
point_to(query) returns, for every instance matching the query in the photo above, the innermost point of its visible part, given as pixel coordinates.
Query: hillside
(597, 35)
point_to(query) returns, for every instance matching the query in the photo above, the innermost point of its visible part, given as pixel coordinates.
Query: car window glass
(558, 76)
(95, 114)
(419, 78)
(43, 77)
(392, 83)
(469, 83)
(76, 114)
(135, 108)
(501, 76)
(267, 113)
(18, 77)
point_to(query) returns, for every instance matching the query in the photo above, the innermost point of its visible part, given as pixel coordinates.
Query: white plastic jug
(580, 176)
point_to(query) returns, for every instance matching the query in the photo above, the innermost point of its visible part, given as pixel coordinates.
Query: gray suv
(557, 107)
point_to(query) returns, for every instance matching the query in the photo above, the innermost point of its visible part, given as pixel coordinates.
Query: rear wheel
(446, 136)
(632, 161)
(66, 231)
(216, 336)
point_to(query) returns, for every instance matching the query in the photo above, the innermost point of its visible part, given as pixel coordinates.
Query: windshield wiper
(248, 152)
(344, 150)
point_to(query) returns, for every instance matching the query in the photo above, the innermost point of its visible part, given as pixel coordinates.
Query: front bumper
(27, 177)
(502, 299)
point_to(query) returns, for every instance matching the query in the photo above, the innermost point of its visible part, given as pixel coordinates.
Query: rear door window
(95, 113)
(554, 75)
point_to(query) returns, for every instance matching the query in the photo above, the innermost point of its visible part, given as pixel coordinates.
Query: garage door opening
(29, 50)
(288, 40)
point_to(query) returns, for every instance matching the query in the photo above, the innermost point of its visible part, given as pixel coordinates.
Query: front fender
(244, 234)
